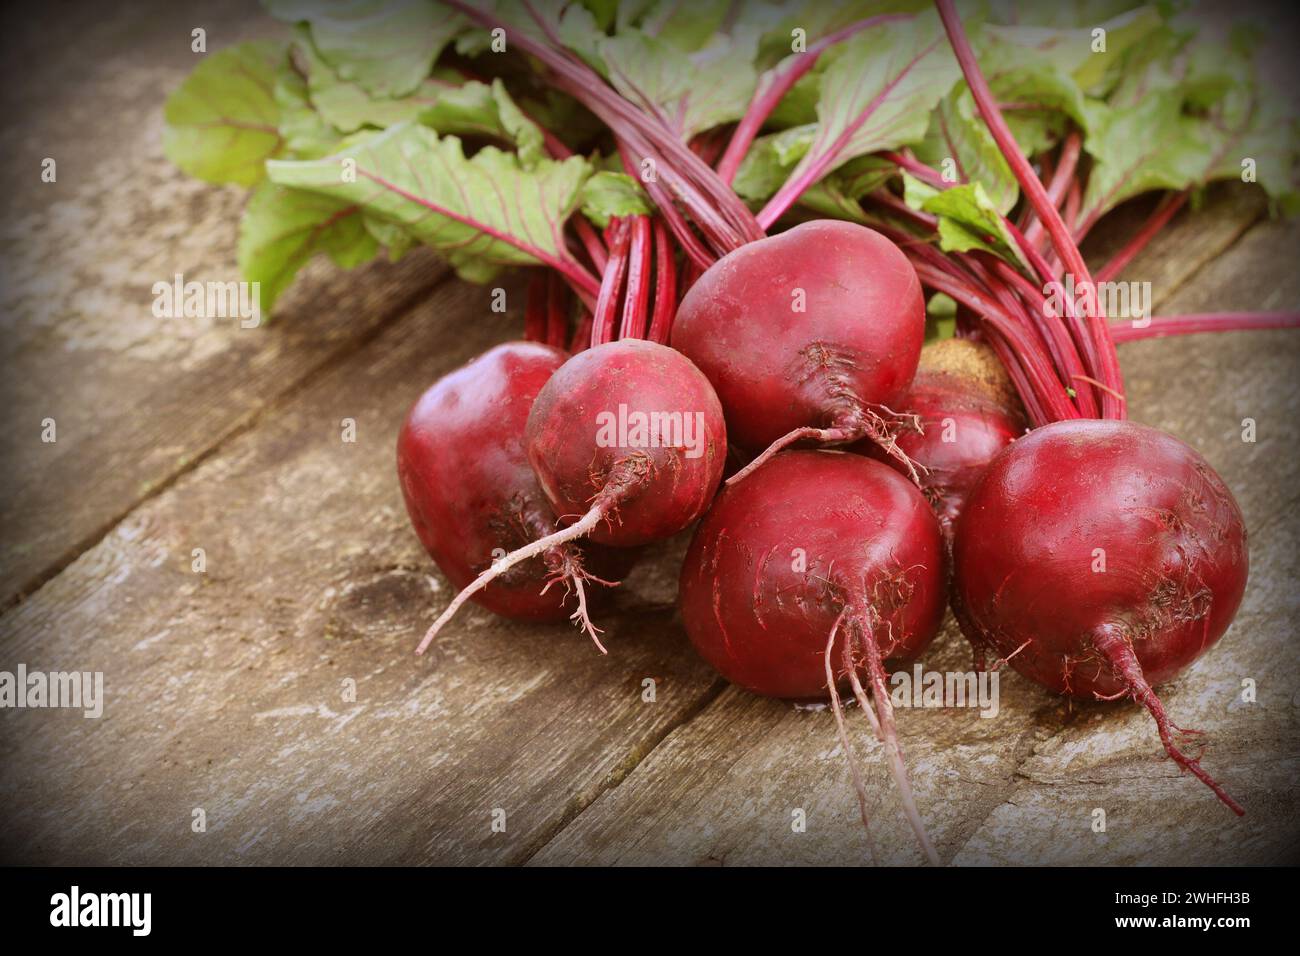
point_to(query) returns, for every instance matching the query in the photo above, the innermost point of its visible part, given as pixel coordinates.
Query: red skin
(977, 428)
(1175, 549)
(865, 530)
(854, 348)
(469, 489)
(647, 493)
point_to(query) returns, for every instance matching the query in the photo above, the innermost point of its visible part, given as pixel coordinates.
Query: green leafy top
(457, 146)
(480, 212)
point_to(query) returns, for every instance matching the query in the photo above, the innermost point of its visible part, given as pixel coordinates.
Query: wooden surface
(226, 690)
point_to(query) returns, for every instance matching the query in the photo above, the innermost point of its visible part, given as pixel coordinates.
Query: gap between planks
(582, 801)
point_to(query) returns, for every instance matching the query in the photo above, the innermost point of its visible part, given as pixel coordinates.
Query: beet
(811, 334)
(651, 487)
(1100, 558)
(472, 496)
(967, 411)
(627, 441)
(820, 570)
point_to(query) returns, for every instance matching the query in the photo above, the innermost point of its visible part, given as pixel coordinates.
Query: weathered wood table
(228, 691)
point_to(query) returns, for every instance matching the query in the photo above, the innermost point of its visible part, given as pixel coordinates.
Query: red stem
(1046, 332)
(1108, 370)
(636, 301)
(707, 146)
(775, 83)
(665, 286)
(1155, 222)
(1163, 325)
(1040, 374)
(927, 174)
(689, 242)
(591, 242)
(602, 323)
(885, 198)
(815, 164)
(1063, 349)
(716, 209)
(557, 313)
(1060, 183)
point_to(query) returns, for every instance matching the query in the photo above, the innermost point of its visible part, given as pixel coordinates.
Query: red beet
(472, 496)
(1100, 558)
(819, 558)
(967, 411)
(627, 442)
(631, 485)
(810, 334)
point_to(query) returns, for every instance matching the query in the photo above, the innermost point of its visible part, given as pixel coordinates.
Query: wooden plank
(225, 689)
(136, 399)
(1186, 244)
(1022, 788)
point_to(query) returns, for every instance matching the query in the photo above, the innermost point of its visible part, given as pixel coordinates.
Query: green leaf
(222, 120)
(840, 194)
(940, 318)
(917, 193)
(518, 128)
(815, 19)
(385, 48)
(477, 109)
(1223, 110)
(959, 142)
(1021, 75)
(1075, 50)
(697, 90)
(390, 235)
(347, 106)
(466, 110)
(1267, 142)
(686, 26)
(799, 105)
(968, 219)
(480, 212)
(306, 133)
(282, 229)
(770, 160)
(608, 194)
(603, 12)
(1149, 146)
(879, 91)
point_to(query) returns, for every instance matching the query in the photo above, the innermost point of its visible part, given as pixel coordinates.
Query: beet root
(968, 412)
(472, 496)
(811, 334)
(818, 573)
(627, 442)
(630, 436)
(1101, 558)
